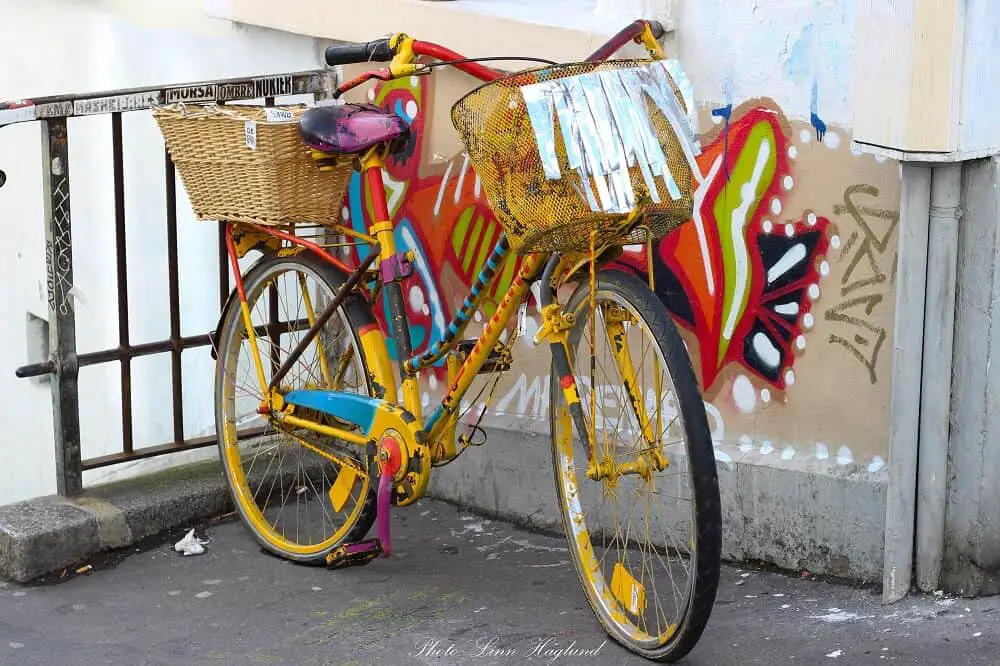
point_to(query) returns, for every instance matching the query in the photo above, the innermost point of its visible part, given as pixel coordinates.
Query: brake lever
(379, 75)
(347, 86)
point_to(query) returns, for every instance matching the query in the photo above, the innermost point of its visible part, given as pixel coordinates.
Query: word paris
(545, 648)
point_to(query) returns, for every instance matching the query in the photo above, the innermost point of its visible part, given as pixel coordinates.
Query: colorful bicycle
(577, 161)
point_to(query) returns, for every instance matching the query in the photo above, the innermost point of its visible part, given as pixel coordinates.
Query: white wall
(89, 45)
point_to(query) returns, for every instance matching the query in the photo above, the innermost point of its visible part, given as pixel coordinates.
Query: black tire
(707, 518)
(354, 313)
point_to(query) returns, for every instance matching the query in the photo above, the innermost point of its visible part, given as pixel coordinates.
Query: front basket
(568, 150)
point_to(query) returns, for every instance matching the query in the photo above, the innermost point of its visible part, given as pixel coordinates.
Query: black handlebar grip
(349, 54)
(657, 29)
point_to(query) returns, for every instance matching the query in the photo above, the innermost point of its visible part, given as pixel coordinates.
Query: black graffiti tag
(864, 284)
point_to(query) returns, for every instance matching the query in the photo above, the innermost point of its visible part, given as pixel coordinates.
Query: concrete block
(42, 535)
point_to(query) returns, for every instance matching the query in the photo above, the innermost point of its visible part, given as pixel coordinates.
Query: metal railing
(64, 362)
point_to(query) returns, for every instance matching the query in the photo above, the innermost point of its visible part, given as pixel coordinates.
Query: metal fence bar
(117, 150)
(62, 321)
(173, 272)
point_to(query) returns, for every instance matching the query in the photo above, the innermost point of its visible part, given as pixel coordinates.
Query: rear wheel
(641, 510)
(300, 494)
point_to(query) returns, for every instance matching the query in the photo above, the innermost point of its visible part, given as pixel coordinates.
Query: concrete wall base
(825, 518)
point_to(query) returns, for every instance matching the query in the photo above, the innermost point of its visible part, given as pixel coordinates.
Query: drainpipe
(935, 393)
(908, 344)
(921, 378)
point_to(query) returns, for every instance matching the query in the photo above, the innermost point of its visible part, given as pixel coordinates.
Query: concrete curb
(46, 534)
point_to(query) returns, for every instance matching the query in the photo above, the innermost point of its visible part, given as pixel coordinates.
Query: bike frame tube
(530, 269)
(470, 306)
(384, 232)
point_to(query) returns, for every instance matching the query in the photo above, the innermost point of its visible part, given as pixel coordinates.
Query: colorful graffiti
(740, 277)
(737, 277)
(443, 218)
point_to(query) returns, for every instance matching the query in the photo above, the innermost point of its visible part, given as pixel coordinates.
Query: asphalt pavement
(460, 589)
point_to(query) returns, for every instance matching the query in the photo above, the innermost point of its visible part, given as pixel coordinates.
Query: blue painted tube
(464, 314)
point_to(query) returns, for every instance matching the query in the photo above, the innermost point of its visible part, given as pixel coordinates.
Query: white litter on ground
(834, 615)
(835, 654)
(190, 545)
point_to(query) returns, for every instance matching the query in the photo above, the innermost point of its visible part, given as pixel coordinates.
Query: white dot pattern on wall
(776, 206)
(789, 230)
(835, 242)
(824, 268)
(744, 395)
(805, 136)
(765, 395)
(788, 453)
(808, 320)
(746, 444)
(811, 219)
(821, 452)
(844, 456)
(788, 182)
(793, 152)
(766, 448)
(416, 298)
(831, 140)
(813, 291)
(767, 226)
(800, 341)
(789, 377)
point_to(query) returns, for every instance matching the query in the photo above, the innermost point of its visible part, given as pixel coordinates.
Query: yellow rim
(318, 372)
(626, 597)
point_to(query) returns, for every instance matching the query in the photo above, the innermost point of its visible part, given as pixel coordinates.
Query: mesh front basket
(569, 149)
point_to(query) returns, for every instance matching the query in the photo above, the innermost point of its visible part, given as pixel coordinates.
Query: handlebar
(400, 50)
(349, 54)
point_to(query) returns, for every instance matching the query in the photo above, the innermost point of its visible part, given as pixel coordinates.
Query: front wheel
(640, 500)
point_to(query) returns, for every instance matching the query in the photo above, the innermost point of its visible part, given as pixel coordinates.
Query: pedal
(499, 359)
(354, 554)
(363, 552)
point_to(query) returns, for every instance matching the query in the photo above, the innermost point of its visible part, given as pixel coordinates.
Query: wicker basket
(248, 164)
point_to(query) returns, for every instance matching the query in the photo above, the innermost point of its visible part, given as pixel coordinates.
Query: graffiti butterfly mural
(738, 277)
